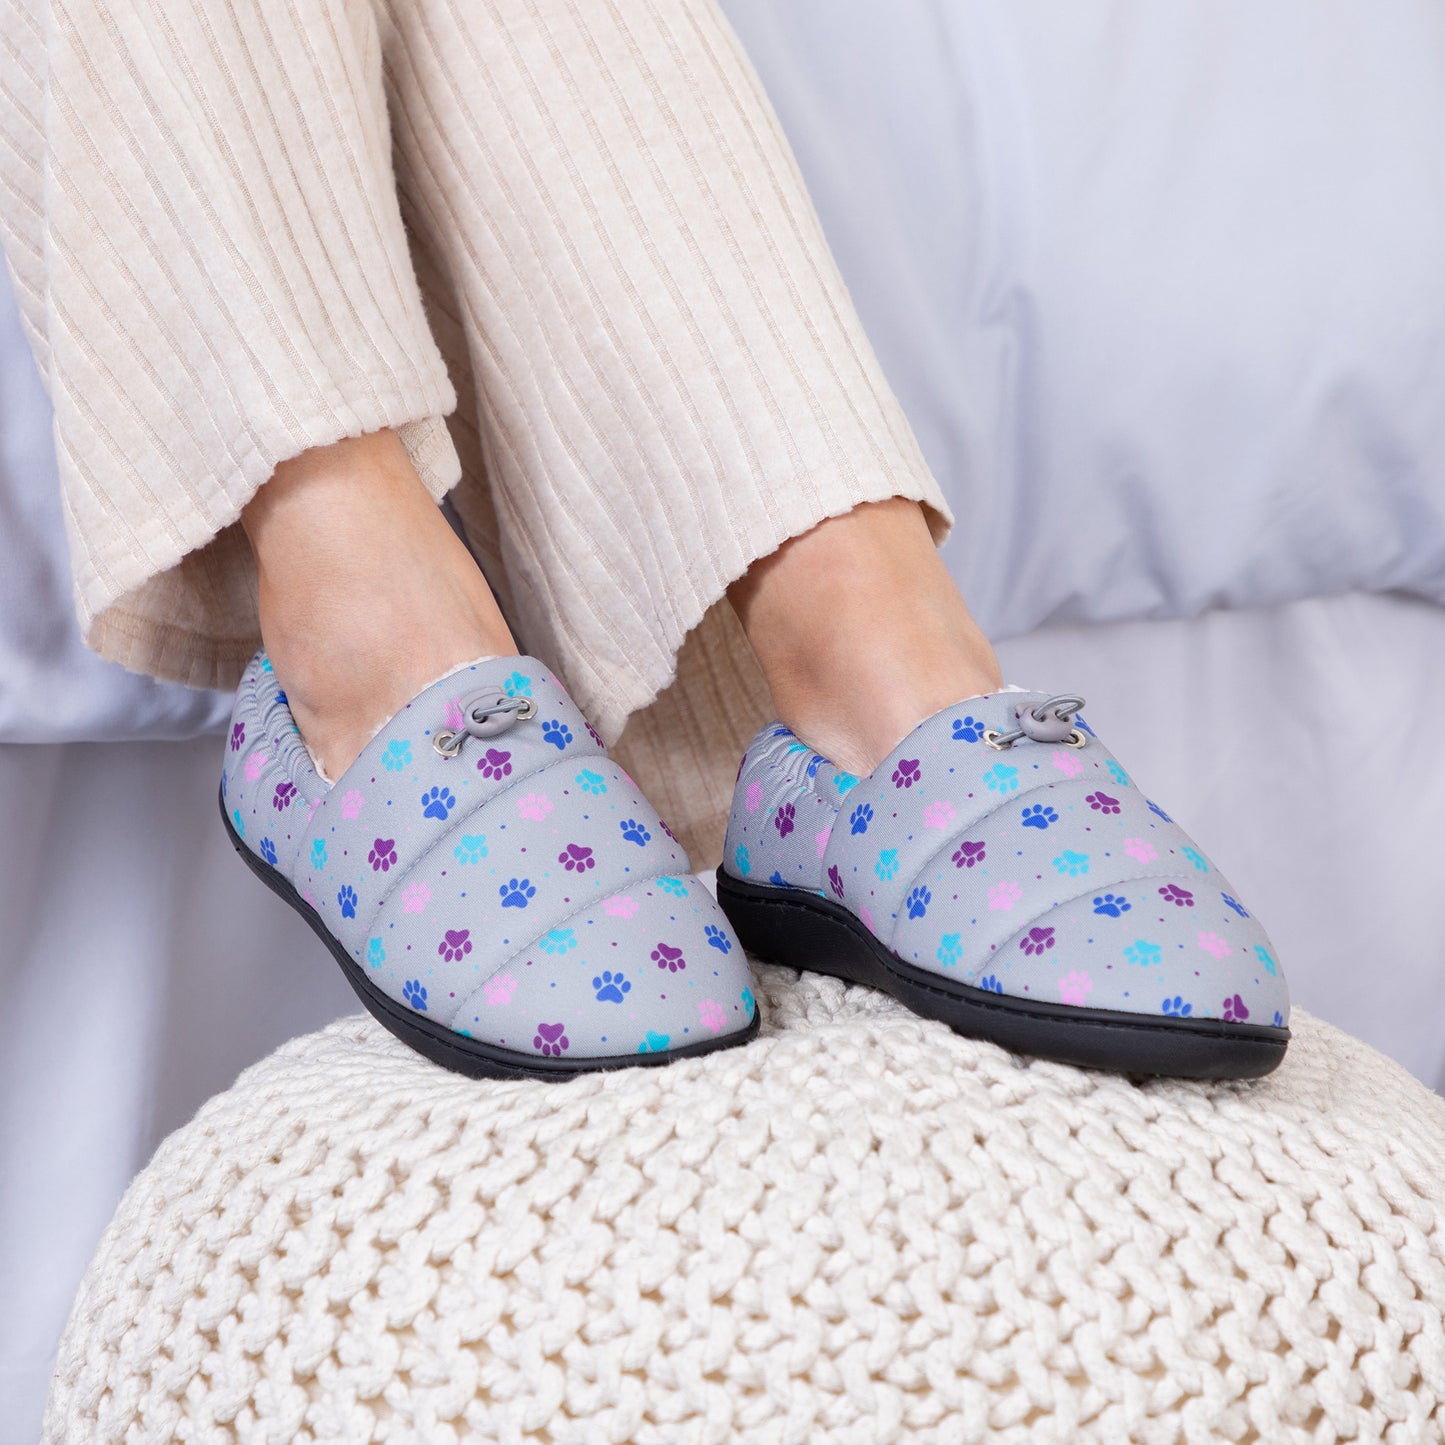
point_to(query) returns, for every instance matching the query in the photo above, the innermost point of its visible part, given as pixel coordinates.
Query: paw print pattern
(551, 1040)
(1234, 1010)
(1074, 989)
(1071, 863)
(1266, 958)
(558, 940)
(918, 902)
(1117, 773)
(711, 1015)
(611, 987)
(859, 819)
(906, 773)
(1231, 903)
(967, 730)
(1143, 953)
(375, 952)
(576, 858)
(950, 949)
(634, 832)
(415, 897)
(591, 782)
(413, 992)
(938, 814)
(887, 864)
(1002, 778)
(741, 860)
(665, 956)
(1156, 809)
(1213, 944)
(1111, 905)
(1037, 940)
(495, 763)
(268, 851)
(966, 855)
(517, 892)
(557, 733)
(989, 984)
(437, 803)
(318, 854)
(281, 798)
(835, 880)
(352, 804)
(1102, 803)
(456, 944)
(471, 848)
(1196, 858)
(518, 684)
(717, 939)
(346, 898)
(1180, 897)
(783, 820)
(1003, 896)
(1177, 1007)
(382, 855)
(673, 886)
(238, 737)
(1039, 815)
(397, 755)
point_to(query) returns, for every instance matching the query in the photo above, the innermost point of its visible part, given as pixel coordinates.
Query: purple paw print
(1102, 803)
(238, 737)
(551, 1039)
(576, 858)
(1037, 940)
(1234, 1010)
(495, 763)
(835, 878)
(597, 736)
(456, 944)
(1180, 897)
(662, 823)
(382, 855)
(783, 820)
(283, 795)
(667, 957)
(906, 773)
(967, 854)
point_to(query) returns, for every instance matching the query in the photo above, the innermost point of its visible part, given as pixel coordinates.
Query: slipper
(1001, 872)
(499, 893)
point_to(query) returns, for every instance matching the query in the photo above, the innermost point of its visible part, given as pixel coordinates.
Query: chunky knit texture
(859, 1228)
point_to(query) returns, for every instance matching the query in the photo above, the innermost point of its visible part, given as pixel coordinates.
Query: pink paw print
(1067, 763)
(938, 814)
(1074, 988)
(712, 1015)
(351, 804)
(1138, 848)
(1003, 896)
(1213, 943)
(535, 806)
(453, 714)
(499, 989)
(755, 797)
(820, 840)
(866, 914)
(255, 765)
(415, 897)
(619, 906)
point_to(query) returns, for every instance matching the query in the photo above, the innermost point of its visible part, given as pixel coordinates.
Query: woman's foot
(366, 593)
(862, 633)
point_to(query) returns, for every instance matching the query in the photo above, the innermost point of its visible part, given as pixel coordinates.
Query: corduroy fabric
(562, 247)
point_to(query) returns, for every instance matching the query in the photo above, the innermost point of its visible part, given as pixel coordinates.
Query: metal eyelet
(991, 737)
(448, 743)
(1075, 739)
(527, 710)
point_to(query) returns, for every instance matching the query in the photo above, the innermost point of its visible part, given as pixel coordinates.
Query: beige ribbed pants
(561, 246)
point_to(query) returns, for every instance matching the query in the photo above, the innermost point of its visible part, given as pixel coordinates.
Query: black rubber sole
(804, 931)
(472, 1057)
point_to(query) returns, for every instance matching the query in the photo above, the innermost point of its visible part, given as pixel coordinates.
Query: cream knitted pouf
(858, 1228)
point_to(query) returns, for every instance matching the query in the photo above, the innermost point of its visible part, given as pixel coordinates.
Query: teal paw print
(1263, 954)
(518, 685)
(318, 854)
(654, 1043)
(749, 1003)
(1002, 778)
(375, 952)
(950, 949)
(240, 823)
(887, 864)
(558, 940)
(591, 782)
(741, 860)
(471, 849)
(1117, 773)
(844, 781)
(266, 665)
(1196, 858)
(674, 886)
(1071, 863)
(1143, 953)
(397, 755)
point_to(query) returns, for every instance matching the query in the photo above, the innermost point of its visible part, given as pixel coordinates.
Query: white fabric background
(1159, 287)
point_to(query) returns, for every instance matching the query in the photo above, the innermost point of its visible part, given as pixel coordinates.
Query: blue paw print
(950, 949)
(414, 994)
(654, 1043)
(860, 818)
(318, 854)
(224, 779)
(1112, 905)
(375, 952)
(1002, 778)
(918, 902)
(557, 733)
(591, 782)
(634, 832)
(887, 864)
(1039, 815)
(282, 698)
(1278, 1019)
(437, 803)
(1176, 1007)
(778, 881)
(268, 851)
(517, 892)
(1156, 809)
(844, 782)
(347, 899)
(518, 685)
(1117, 773)
(471, 849)
(1232, 903)
(967, 730)
(239, 822)
(717, 938)
(1196, 858)
(558, 940)
(748, 1002)
(741, 861)
(674, 886)
(1143, 954)
(1071, 863)
(397, 755)
(611, 987)
(1263, 955)
(813, 764)
(990, 984)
